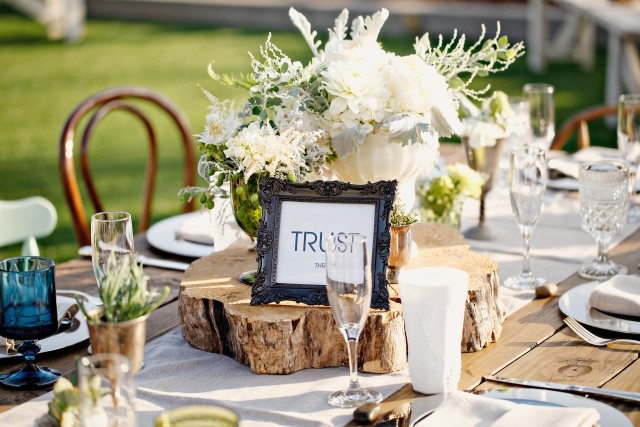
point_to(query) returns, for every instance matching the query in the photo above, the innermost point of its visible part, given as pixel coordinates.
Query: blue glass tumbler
(28, 313)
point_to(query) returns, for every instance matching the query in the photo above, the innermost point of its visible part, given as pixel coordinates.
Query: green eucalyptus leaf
(455, 82)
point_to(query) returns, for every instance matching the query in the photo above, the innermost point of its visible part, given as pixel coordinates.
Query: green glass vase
(247, 212)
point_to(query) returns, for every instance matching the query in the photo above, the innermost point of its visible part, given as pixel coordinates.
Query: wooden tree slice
(216, 314)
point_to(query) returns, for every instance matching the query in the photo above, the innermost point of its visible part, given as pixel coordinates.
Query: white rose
(418, 88)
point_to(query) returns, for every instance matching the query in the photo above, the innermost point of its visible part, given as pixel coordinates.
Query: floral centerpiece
(442, 198)
(484, 137)
(351, 95)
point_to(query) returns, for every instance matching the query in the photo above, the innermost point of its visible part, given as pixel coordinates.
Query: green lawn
(41, 81)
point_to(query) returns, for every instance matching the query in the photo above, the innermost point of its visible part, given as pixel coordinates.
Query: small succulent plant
(124, 293)
(400, 216)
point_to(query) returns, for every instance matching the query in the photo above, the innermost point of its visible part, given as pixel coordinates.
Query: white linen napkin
(216, 227)
(462, 409)
(197, 229)
(570, 165)
(618, 295)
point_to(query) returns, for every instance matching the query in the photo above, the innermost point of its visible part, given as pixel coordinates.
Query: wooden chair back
(25, 220)
(579, 123)
(87, 115)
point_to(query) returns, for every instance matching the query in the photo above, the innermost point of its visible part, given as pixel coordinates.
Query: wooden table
(535, 344)
(77, 274)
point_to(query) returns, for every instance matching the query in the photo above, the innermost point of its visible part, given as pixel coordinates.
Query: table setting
(353, 360)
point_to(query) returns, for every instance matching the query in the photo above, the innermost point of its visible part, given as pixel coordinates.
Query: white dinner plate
(563, 184)
(575, 303)
(162, 235)
(62, 340)
(609, 416)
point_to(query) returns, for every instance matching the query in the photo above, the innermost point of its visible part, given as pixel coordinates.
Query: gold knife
(576, 389)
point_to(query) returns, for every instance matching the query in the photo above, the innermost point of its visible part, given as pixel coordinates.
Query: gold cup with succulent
(401, 239)
(442, 198)
(119, 325)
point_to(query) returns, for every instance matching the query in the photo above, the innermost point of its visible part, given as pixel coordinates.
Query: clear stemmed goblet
(111, 232)
(629, 144)
(527, 185)
(542, 114)
(349, 291)
(604, 199)
(28, 312)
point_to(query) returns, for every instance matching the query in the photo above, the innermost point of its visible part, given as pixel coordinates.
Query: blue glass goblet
(28, 313)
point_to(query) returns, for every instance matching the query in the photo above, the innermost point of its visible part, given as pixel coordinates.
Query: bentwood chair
(25, 220)
(579, 124)
(84, 119)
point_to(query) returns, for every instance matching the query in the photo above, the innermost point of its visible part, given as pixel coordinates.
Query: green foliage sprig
(124, 293)
(460, 65)
(400, 217)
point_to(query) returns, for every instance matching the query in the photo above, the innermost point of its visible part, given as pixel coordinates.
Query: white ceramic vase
(377, 159)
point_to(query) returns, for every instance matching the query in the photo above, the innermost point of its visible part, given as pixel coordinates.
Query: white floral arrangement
(494, 120)
(297, 117)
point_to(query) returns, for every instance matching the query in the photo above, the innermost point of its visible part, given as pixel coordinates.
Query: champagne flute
(111, 232)
(107, 391)
(604, 199)
(527, 185)
(28, 312)
(542, 113)
(629, 144)
(349, 292)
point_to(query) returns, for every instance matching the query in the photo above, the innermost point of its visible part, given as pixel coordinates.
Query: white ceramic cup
(433, 301)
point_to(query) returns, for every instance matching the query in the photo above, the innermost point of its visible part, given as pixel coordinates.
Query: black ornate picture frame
(369, 206)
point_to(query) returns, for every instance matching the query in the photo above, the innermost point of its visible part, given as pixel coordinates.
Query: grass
(41, 81)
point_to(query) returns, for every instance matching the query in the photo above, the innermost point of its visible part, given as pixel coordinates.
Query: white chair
(25, 220)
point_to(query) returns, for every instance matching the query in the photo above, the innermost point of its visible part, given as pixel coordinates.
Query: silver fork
(591, 338)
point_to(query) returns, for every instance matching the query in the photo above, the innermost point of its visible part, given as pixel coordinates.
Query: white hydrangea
(259, 149)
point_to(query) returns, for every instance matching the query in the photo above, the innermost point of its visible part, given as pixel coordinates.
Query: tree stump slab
(216, 315)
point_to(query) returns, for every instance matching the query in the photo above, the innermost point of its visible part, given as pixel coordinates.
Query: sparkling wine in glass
(604, 201)
(28, 312)
(349, 291)
(542, 116)
(111, 232)
(629, 144)
(527, 185)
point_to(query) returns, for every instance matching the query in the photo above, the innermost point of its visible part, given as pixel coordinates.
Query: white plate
(609, 416)
(563, 184)
(162, 235)
(575, 303)
(62, 340)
